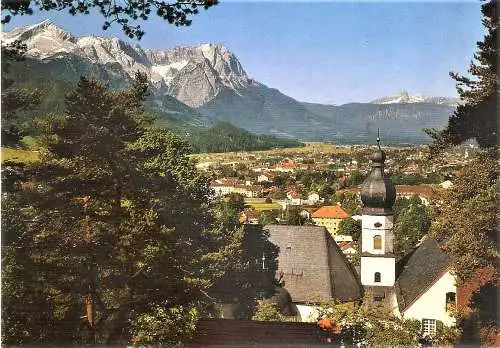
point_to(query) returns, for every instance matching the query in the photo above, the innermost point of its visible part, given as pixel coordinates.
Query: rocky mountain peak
(41, 37)
(404, 97)
(192, 74)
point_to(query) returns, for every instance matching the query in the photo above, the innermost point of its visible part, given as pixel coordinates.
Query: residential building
(250, 217)
(313, 198)
(330, 217)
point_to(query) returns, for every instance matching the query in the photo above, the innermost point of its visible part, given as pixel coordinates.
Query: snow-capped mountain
(194, 75)
(406, 98)
(204, 84)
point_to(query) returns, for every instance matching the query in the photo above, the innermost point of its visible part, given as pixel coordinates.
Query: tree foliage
(269, 311)
(110, 237)
(373, 324)
(15, 100)
(350, 227)
(466, 223)
(476, 116)
(124, 13)
(247, 265)
(411, 223)
(224, 137)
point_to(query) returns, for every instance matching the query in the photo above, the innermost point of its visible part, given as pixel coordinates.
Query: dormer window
(377, 242)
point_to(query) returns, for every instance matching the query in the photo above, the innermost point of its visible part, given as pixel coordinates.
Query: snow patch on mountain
(194, 75)
(406, 98)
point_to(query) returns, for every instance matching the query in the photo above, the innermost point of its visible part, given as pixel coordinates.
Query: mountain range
(205, 84)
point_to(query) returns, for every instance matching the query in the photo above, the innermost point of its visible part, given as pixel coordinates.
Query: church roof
(332, 212)
(425, 266)
(311, 265)
(378, 194)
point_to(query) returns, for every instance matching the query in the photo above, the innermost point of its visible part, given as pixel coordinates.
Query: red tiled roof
(467, 290)
(252, 214)
(332, 212)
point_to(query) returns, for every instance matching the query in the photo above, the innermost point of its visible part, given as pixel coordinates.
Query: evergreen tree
(466, 221)
(112, 241)
(410, 225)
(124, 13)
(476, 116)
(14, 100)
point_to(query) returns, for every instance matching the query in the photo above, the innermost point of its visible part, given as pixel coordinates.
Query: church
(421, 286)
(310, 264)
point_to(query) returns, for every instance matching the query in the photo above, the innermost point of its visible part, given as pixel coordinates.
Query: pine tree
(476, 116)
(112, 238)
(14, 99)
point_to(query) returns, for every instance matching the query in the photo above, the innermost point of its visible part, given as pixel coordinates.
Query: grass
(18, 155)
(243, 157)
(253, 200)
(265, 206)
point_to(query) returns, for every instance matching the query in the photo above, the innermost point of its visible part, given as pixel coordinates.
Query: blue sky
(327, 51)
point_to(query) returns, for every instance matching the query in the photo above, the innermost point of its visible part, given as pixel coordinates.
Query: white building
(425, 289)
(313, 198)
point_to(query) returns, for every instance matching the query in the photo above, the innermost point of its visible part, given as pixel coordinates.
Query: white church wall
(384, 265)
(307, 313)
(432, 304)
(373, 226)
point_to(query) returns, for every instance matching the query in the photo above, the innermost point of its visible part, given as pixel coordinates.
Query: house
(342, 238)
(348, 248)
(286, 166)
(424, 192)
(307, 213)
(313, 198)
(265, 178)
(446, 184)
(294, 198)
(253, 191)
(312, 267)
(426, 289)
(330, 216)
(250, 217)
(225, 186)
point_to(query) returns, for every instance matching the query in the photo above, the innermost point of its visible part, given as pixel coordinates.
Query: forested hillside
(221, 137)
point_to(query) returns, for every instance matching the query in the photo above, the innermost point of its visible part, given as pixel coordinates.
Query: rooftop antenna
(378, 138)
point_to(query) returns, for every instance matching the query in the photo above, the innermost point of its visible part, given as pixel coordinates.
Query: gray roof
(425, 266)
(311, 265)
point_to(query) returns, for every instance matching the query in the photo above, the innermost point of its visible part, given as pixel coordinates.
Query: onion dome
(378, 194)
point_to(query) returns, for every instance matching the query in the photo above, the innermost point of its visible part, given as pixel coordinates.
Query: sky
(322, 51)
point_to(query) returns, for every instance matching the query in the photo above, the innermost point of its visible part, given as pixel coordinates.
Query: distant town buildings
(330, 217)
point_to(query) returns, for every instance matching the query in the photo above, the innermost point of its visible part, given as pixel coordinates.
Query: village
(331, 216)
(275, 175)
(320, 184)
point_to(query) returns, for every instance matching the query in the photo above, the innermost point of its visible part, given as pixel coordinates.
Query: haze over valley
(202, 85)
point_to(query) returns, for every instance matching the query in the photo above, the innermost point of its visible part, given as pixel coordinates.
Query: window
(377, 277)
(428, 327)
(377, 224)
(377, 242)
(450, 301)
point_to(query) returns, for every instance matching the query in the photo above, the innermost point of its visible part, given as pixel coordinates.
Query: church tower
(378, 194)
